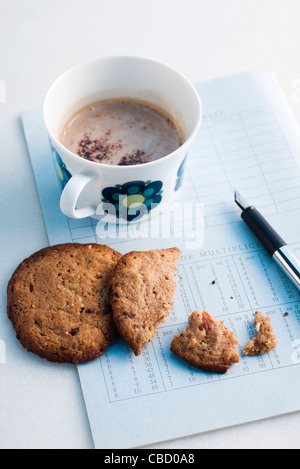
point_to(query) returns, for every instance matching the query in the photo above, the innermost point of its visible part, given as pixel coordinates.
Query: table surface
(41, 404)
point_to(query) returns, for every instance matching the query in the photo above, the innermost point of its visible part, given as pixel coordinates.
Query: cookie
(206, 343)
(265, 339)
(141, 293)
(57, 301)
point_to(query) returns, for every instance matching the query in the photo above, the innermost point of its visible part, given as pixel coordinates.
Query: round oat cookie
(57, 301)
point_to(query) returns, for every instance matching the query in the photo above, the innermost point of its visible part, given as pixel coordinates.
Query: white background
(41, 404)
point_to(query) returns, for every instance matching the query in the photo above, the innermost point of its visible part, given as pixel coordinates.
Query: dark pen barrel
(263, 230)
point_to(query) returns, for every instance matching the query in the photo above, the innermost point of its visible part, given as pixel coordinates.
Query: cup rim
(94, 164)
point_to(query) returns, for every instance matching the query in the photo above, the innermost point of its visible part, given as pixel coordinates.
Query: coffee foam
(121, 131)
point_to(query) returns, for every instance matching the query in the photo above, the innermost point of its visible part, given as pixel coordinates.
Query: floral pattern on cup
(64, 174)
(180, 174)
(133, 199)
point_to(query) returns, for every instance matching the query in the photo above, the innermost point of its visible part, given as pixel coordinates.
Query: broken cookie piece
(141, 293)
(206, 343)
(265, 339)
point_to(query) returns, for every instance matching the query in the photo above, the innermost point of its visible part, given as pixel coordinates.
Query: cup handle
(70, 195)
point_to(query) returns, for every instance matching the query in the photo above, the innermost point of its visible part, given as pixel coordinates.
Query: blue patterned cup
(123, 193)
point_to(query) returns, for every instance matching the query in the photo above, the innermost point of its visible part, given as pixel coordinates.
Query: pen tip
(240, 201)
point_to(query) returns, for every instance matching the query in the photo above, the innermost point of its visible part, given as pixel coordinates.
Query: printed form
(249, 141)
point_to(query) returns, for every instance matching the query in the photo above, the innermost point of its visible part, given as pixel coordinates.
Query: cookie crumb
(265, 339)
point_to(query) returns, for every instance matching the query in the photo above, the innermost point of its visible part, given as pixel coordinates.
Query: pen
(272, 242)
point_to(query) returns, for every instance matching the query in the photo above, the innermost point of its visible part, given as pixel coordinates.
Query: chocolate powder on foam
(134, 158)
(100, 149)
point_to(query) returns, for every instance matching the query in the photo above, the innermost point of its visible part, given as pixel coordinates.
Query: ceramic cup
(124, 193)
